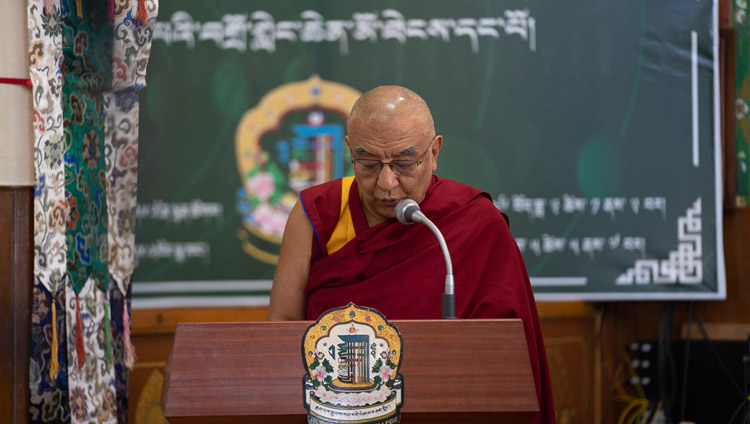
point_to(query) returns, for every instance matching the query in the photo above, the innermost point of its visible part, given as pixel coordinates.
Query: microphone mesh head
(405, 209)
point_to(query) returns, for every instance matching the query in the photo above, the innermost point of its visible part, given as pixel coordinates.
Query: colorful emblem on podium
(352, 355)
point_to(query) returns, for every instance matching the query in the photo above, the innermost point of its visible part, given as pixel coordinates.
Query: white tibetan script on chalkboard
(260, 31)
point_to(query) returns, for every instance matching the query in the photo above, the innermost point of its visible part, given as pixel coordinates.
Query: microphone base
(449, 306)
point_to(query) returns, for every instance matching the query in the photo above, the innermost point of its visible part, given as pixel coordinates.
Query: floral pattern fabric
(48, 384)
(50, 206)
(92, 392)
(131, 50)
(85, 154)
(49, 393)
(86, 68)
(120, 304)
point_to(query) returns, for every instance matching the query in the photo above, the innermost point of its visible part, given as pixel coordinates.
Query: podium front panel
(454, 370)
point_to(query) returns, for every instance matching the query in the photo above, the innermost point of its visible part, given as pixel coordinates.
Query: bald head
(387, 106)
(389, 124)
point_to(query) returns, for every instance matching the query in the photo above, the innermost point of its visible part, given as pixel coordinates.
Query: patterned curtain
(87, 64)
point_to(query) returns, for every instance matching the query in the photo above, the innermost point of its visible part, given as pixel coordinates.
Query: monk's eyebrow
(408, 152)
(363, 152)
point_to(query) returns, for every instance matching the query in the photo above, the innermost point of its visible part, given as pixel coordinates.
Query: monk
(343, 244)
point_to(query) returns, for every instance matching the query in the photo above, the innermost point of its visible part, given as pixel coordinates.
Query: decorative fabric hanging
(47, 365)
(92, 387)
(86, 70)
(121, 328)
(48, 400)
(81, 197)
(131, 50)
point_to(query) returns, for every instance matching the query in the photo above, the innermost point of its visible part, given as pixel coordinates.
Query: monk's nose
(387, 179)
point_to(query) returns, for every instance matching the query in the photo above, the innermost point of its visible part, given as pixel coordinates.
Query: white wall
(16, 135)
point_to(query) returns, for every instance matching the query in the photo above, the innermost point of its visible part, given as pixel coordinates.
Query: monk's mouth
(390, 202)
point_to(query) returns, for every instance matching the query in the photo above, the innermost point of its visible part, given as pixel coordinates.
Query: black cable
(686, 363)
(672, 394)
(717, 356)
(737, 411)
(667, 367)
(661, 368)
(608, 401)
(665, 327)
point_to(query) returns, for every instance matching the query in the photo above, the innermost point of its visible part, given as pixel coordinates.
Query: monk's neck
(372, 218)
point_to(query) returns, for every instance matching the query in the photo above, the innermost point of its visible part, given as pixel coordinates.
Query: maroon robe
(400, 271)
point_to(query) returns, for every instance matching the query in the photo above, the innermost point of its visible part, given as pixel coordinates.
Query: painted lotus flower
(262, 185)
(320, 373)
(385, 372)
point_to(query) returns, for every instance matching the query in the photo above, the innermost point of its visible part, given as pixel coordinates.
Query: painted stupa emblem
(352, 356)
(291, 140)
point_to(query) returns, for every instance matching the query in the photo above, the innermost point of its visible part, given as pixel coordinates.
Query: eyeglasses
(370, 167)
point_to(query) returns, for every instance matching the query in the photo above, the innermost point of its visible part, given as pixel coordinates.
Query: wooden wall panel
(737, 255)
(152, 334)
(569, 331)
(16, 270)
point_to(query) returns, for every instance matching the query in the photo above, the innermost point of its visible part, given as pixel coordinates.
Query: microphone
(407, 212)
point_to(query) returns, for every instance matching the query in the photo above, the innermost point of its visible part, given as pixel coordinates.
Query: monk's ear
(437, 144)
(346, 138)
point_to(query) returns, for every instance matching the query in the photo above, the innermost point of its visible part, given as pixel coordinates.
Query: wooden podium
(467, 371)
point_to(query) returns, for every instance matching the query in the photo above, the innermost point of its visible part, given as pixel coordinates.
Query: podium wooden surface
(454, 371)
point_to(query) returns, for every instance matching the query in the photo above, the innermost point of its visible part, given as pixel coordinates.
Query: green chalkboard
(593, 127)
